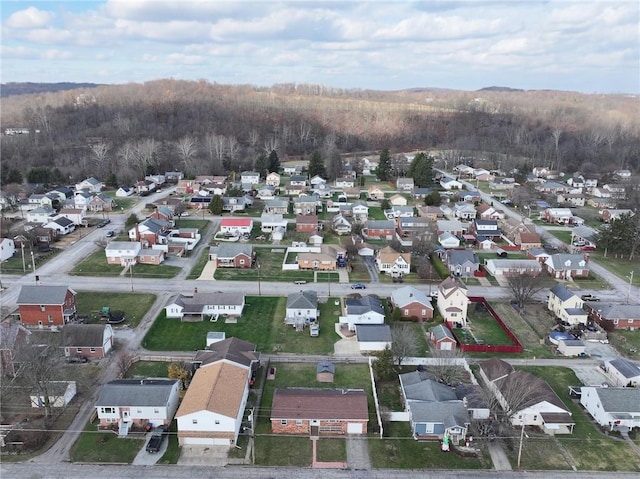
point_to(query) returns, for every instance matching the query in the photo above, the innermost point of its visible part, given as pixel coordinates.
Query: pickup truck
(589, 297)
(154, 444)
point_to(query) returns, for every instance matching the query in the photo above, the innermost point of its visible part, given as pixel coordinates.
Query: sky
(589, 46)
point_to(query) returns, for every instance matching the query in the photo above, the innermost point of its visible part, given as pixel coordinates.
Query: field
(135, 306)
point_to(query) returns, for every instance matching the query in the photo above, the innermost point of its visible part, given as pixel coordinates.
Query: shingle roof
(450, 413)
(43, 295)
(231, 349)
(380, 225)
(363, 305)
(325, 367)
(373, 332)
(409, 294)
(425, 389)
(136, 392)
(231, 250)
(562, 292)
(441, 332)
(495, 368)
(618, 311)
(198, 301)
(563, 261)
(83, 335)
(625, 367)
(461, 256)
(621, 400)
(9, 333)
(303, 300)
(299, 403)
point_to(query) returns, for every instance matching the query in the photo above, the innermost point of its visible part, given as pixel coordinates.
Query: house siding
(303, 427)
(47, 314)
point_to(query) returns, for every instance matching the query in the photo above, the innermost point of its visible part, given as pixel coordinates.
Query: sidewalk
(499, 457)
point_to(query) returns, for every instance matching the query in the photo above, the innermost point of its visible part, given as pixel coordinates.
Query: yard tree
(433, 199)
(131, 220)
(261, 164)
(179, 371)
(523, 287)
(447, 366)
(316, 165)
(383, 366)
(124, 361)
(383, 172)
(216, 205)
(385, 204)
(404, 342)
(273, 162)
(421, 169)
(622, 237)
(39, 369)
(396, 315)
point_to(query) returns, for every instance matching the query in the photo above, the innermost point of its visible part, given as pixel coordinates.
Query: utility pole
(521, 441)
(630, 284)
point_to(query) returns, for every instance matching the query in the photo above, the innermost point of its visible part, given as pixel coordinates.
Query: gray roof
(450, 413)
(563, 261)
(43, 295)
(575, 312)
(585, 232)
(625, 367)
(197, 302)
(9, 333)
(622, 400)
(122, 245)
(276, 202)
(303, 300)
(380, 225)
(231, 250)
(425, 390)
(462, 256)
(617, 311)
(363, 305)
(63, 221)
(325, 367)
(373, 332)
(83, 335)
(562, 292)
(472, 394)
(409, 294)
(231, 349)
(516, 264)
(154, 225)
(440, 332)
(136, 392)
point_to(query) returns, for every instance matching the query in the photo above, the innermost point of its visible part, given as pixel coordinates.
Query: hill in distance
(26, 88)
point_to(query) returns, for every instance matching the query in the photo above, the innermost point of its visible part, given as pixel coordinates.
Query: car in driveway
(104, 223)
(358, 286)
(156, 440)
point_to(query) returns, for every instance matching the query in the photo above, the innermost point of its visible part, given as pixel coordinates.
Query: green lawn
(134, 305)
(564, 236)
(399, 450)
(622, 266)
(14, 264)
(283, 451)
(627, 342)
(94, 446)
(262, 323)
(196, 271)
(376, 213)
(96, 265)
(331, 450)
(148, 369)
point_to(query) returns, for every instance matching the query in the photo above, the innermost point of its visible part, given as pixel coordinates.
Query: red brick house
(615, 316)
(412, 303)
(92, 341)
(12, 336)
(319, 412)
(528, 241)
(380, 229)
(232, 255)
(307, 224)
(46, 305)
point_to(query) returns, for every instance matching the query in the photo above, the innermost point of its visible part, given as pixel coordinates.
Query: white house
(447, 240)
(250, 177)
(302, 308)
(364, 310)
(622, 372)
(61, 224)
(513, 267)
(91, 185)
(270, 222)
(126, 403)
(77, 215)
(391, 262)
(450, 184)
(613, 408)
(453, 301)
(566, 305)
(200, 306)
(7, 249)
(124, 191)
(40, 215)
(273, 179)
(236, 226)
(60, 394)
(123, 252)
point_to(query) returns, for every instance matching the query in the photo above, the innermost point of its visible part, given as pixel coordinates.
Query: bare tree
(233, 148)
(39, 368)
(447, 366)
(187, 151)
(215, 146)
(524, 286)
(404, 343)
(271, 144)
(100, 155)
(145, 155)
(124, 361)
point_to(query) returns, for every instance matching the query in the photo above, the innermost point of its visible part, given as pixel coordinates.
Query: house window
(298, 422)
(194, 421)
(78, 350)
(406, 312)
(283, 422)
(454, 315)
(217, 421)
(49, 318)
(139, 411)
(241, 261)
(107, 410)
(92, 350)
(156, 411)
(39, 323)
(42, 307)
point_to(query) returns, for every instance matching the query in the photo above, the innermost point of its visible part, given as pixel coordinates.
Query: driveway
(370, 264)
(204, 455)
(358, 453)
(147, 459)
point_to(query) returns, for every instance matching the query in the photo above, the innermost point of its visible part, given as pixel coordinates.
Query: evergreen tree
(216, 205)
(383, 172)
(335, 163)
(112, 180)
(261, 165)
(273, 164)
(316, 165)
(421, 170)
(433, 199)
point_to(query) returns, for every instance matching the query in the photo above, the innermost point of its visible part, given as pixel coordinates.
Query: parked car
(358, 286)
(154, 444)
(300, 281)
(184, 214)
(104, 223)
(589, 297)
(110, 234)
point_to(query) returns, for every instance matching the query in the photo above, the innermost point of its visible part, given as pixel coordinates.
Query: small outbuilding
(60, 394)
(571, 347)
(325, 371)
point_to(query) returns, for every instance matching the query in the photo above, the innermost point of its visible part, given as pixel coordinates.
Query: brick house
(232, 255)
(412, 303)
(87, 340)
(442, 338)
(380, 229)
(565, 266)
(307, 224)
(528, 241)
(616, 316)
(46, 305)
(317, 412)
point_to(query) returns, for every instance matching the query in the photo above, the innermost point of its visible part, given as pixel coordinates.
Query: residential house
(538, 254)
(360, 212)
(123, 253)
(76, 215)
(528, 241)
(305, 205)
(292, 169)
(46, 305)
(544, 172)
(398, 200)
(198, 202)
(553, 188)
(345, 182)
(60, 394)
(486, 212)
(373, 337)
(576, 181)
(412, 303)
(464, 211)
(622, 372)
(266, 192)
(404, 184)
(442, 338)
(421, 193)
(307, 224)
(40, 215)
(92, 341)
(213, 407)
(434, 409)
(173, 176)
(13, 337)
(565, 266)
(145, 187)
(622, 174)
(251, 177)
(231, 204)
(450, 184)
(510, 227)
(302, 308)
(150, 232)
(453, 302)
(486, 228)
(317, 180)
(379, 229)
(566, 305)
(432, 213)
(126, 404)
(615, 316)
(617, 409)
(322, 190)
(232, 255)
(90, 184)
(464, 170)
(574, 200)
(447, 240)
(40, 200)
(585, 237)
(364, 310)
(62, 225)
(328, 258)
(450, 226)
(200, 306)
(375, 193)
(399, 212)
(341, 225)
(236, 226)
(613, 214)
(270, 222)
(392, 262)
(412, 227)
(558, 215)
(273, 179)
(513, 267)
(7, 249)
(277, 206)
(462, 262)
(318, 412)
(102, 202)
(298, 180)
(541, 406)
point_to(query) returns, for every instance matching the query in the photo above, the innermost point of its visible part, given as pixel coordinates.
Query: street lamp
(329, 284)
(24, 266)
(630, 283)
(33, 262)
(131, 275)
(259, 283)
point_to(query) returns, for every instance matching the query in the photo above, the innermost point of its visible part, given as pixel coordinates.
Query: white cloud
(183, 59)
(54, 54)
(49, 36)
(29, 18)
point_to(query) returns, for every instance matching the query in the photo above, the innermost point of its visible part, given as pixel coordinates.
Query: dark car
(110, 234)
(155, 443)
(358, 286)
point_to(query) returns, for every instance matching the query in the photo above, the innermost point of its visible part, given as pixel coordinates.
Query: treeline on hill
(128, 131)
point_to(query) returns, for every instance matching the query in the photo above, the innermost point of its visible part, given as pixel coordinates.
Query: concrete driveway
(147, 459)
(204, 455)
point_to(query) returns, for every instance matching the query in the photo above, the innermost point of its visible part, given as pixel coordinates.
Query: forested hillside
(205, 128)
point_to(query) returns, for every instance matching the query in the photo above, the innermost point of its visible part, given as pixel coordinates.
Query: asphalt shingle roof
(136, 392)
(43, 294)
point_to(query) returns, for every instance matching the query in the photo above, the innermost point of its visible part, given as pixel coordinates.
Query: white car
(184, 214)
(433, 294)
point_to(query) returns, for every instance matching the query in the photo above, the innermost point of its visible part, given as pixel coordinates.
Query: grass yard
(376, 213)
(562, 235)
(148, 369)
(262, 323)
(622, 266)
(529, 328)
(94, 446)
(482, 326)
(283, 451)
(331, 450)
(270, 261)
(399, 450)
(196, 271)
(440, 267)
(135, 305)
(627, 342)
(96, 265)
(389, 395)
(172, 454)
(588, 448)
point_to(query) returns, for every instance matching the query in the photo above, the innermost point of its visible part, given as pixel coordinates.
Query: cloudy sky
(587, 46)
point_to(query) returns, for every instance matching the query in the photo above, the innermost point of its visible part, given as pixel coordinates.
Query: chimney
(586, 257)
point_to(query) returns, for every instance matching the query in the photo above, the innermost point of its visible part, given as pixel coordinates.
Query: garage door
(354, 428)
(197, 441)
